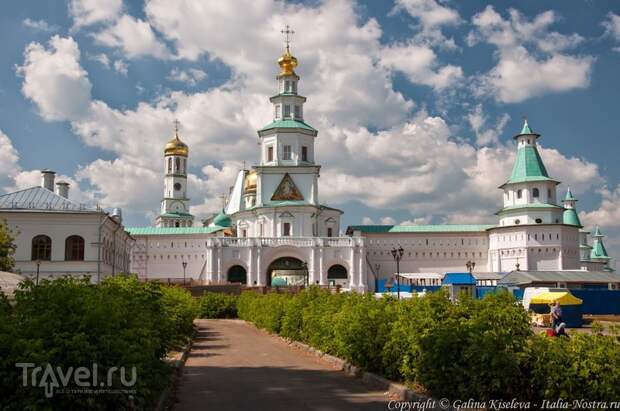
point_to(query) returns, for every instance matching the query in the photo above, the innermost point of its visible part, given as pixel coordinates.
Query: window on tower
(287, 110)
(294, 86)
(519, 193)
(177, 164)
(286, 152)
(169, 165)
(287, 86)
(278, 110)
(286, 229)
(304, 153)
(297, 111)
(535, 193)
(269, 154)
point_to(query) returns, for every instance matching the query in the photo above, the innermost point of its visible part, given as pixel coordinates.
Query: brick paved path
(233, 366)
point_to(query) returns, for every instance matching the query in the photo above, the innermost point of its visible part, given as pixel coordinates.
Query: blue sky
(416, 101)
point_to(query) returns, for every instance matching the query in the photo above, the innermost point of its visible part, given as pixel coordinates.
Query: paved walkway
(233, 366)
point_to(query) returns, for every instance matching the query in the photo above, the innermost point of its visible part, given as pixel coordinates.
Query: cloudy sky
(416, 101)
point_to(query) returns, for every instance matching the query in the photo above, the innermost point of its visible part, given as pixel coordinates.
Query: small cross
(176, 123)
(243, 164)
(223, 197)
(287, 36)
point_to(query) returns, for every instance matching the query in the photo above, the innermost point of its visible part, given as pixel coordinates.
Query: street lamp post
(470, 266)
(38, 266)
(184, 264)
(398, 254)
(304, 266)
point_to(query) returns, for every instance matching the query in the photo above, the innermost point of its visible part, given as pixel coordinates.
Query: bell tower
(287, 170)
(175, 204)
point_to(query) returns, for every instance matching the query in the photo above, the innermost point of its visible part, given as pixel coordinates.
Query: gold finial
(287, 62)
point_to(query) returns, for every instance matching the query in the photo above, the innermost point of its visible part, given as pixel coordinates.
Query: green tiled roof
(288, 124)
(172, 230)
(570, 217)
(176, 215)
(427, 228)
(528, 206)
(528, 167)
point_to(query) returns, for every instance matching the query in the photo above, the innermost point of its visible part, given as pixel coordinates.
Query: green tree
(7, 247)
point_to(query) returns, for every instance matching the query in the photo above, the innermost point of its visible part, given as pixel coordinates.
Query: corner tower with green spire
(529, 192)
(598, 253)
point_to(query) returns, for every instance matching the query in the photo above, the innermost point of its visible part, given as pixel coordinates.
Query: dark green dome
(222, 220)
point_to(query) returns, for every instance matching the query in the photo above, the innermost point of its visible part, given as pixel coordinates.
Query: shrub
(475, 351)
(582, 367)
(264, 311)
(218, 305)
(72, 323)
(362, 328)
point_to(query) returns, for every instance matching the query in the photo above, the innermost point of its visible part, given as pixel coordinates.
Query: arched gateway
(287, 271)
(237, 274)
(337, 275)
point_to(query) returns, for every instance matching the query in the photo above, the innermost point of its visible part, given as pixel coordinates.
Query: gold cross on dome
(287, 36)
(176, 123)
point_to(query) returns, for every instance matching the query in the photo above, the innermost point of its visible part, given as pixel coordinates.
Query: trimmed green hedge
(218, 305)
(72, 323)
(480, 349)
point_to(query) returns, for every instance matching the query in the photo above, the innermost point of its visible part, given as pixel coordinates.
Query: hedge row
(218, 305)
(481, 349)
(72, 323)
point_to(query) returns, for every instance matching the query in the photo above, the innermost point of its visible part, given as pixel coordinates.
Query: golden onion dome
(287, 64)
(249, 184)
(176, 147)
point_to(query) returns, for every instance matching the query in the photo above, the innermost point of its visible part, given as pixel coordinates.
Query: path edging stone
(178, 362)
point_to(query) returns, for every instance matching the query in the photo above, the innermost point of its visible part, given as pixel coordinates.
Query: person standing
(556, 315)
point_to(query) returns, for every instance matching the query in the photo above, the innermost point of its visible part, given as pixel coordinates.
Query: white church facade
(273, 229)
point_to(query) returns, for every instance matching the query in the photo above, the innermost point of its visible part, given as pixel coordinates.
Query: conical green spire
(598, 248)
(569, 196)
(526, 128)
(597, 232)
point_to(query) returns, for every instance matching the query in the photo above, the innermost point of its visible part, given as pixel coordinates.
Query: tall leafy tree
(7, 247)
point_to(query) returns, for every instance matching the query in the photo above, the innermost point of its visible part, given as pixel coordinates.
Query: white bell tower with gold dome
(279, 197)
(175, 204)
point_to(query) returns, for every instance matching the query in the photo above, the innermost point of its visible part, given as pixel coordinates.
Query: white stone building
(57, 236)
(273, 230)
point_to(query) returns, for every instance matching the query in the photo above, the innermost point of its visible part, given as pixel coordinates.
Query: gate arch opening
(337, 275)
(237, 274)
(287, 271)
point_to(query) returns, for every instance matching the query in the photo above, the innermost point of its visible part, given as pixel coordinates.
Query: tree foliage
(7, 247)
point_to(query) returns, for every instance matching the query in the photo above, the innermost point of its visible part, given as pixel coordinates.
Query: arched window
(41, 248)
(169, 165)
(535, 193)
(74, 248)
(177, 164)
(519, 193)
